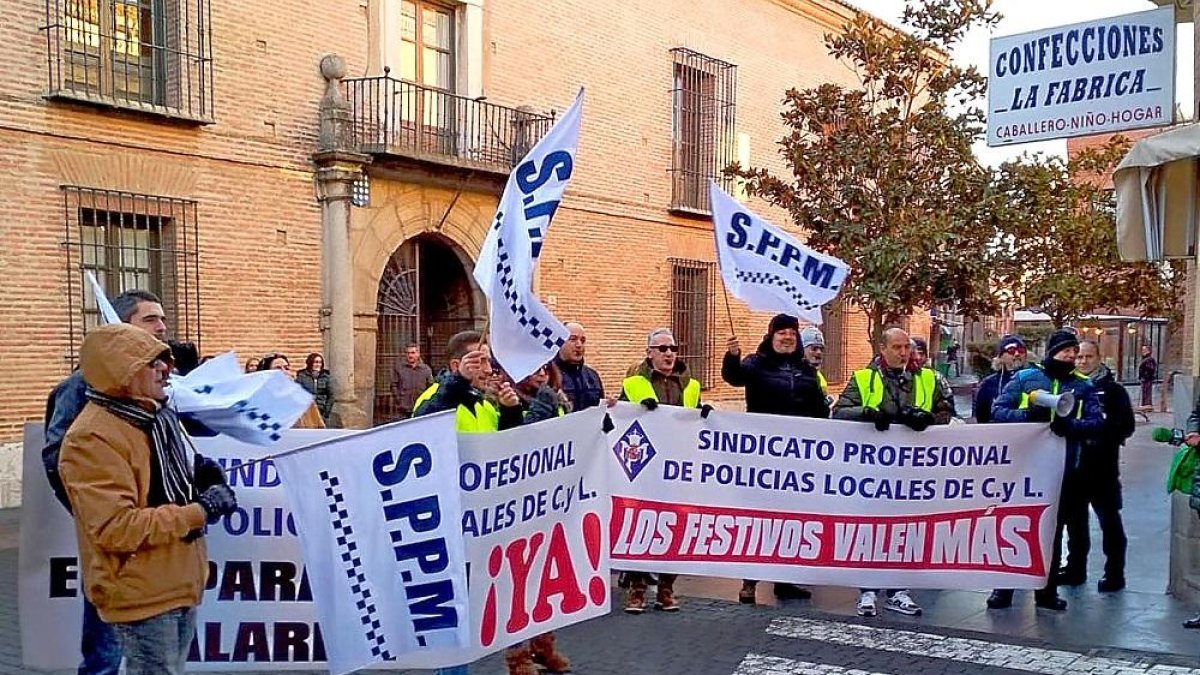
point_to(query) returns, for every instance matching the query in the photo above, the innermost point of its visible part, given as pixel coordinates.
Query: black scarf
(1056, 369)
(170, 466)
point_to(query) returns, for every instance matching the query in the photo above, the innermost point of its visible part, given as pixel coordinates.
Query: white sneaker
(903, 603)
(866, 604)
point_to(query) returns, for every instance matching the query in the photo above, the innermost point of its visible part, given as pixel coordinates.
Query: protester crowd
(121, 461)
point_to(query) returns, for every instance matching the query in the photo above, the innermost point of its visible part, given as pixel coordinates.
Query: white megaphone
(1062, 403)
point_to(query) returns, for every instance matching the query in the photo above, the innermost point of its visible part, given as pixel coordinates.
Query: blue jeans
(158, 645)
(99, 643)
(452, 670)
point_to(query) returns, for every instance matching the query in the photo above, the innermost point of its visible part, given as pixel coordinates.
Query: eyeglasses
(666, 348)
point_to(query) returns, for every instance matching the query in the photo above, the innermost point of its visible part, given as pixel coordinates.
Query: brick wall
(605, 260)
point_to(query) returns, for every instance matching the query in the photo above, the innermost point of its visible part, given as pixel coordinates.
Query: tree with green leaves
(1059, 243)
(882, 174)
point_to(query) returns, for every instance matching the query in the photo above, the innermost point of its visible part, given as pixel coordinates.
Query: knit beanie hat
(1060, 340)
(811, 336)
(1009, 341)
(783, 322)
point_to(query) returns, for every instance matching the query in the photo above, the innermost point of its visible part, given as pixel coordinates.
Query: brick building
(184, 145)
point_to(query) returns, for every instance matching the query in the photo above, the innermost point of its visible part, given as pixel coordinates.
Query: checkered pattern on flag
(524, 335)
(768, 268)
(379, 515)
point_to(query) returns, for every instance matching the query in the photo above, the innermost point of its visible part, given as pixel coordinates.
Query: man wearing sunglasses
(779, 380)
(1010, 356)
(663, 378)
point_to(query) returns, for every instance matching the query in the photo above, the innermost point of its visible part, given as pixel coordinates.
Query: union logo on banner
(634, 450)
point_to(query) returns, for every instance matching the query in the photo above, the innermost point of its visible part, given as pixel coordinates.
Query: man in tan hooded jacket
(140, 503)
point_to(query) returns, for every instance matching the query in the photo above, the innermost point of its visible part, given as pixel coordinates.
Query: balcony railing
(404, 119)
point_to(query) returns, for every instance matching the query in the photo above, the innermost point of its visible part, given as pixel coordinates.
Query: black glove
(1061, 426)
(882, 421)
(705, 410)
(217, 501)
(208, 473)
(607, 425)
(1037, 414)
(916, 419)
(649, 403)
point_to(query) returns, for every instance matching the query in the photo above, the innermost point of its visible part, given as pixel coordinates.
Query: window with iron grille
(693, 305)
(131, 241)
(703, 127)
(147, 55)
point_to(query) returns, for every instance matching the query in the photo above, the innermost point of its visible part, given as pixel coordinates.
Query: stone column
(337, 167)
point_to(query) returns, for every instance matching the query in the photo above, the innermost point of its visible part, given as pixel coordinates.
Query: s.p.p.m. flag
(768, 268)
(524, 335)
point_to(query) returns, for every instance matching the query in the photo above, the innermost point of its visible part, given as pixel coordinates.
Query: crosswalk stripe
(761, 664)
(967, 650)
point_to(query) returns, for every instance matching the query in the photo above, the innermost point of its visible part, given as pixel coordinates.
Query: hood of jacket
(113, 354)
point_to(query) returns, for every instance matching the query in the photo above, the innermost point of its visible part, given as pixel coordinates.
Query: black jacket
(777, 384)
(455, 390)
(988, 391)
(581, 384)
(1100, 455)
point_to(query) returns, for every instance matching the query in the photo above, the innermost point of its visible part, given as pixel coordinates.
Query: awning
(1156, 196)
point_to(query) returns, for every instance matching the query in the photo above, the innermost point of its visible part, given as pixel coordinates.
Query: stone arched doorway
(426, 294)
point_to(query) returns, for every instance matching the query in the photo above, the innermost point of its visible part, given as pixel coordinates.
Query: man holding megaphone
(1053, 391)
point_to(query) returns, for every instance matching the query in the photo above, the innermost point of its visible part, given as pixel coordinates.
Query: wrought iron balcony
(403, 119)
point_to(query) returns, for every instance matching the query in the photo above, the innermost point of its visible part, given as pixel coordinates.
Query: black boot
(791, 592)
(1001, 598)
(1111, 584)
(1047, 598)
(1070, 577)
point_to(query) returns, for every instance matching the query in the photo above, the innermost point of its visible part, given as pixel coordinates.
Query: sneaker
(902, 602)
(746, 596)
(635, 601)
(665, 599)
(866, 604)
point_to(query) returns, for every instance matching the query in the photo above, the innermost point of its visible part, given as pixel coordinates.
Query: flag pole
(728, 310)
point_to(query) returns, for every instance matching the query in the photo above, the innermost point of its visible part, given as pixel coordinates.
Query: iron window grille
(693, 306)
(704, 117)
(148, 55)
(131, 241)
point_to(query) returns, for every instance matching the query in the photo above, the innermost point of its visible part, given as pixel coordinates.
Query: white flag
(768, 268)
(379, 516)
(254, 408)
(524, 334)
(107, 313)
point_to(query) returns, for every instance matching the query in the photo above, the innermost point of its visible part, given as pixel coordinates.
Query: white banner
(524, 492)
(257, 610)
(768, 268)
(829, 502)
(1086, 78)
(379, 515)
(535, 520)
(524, 334)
